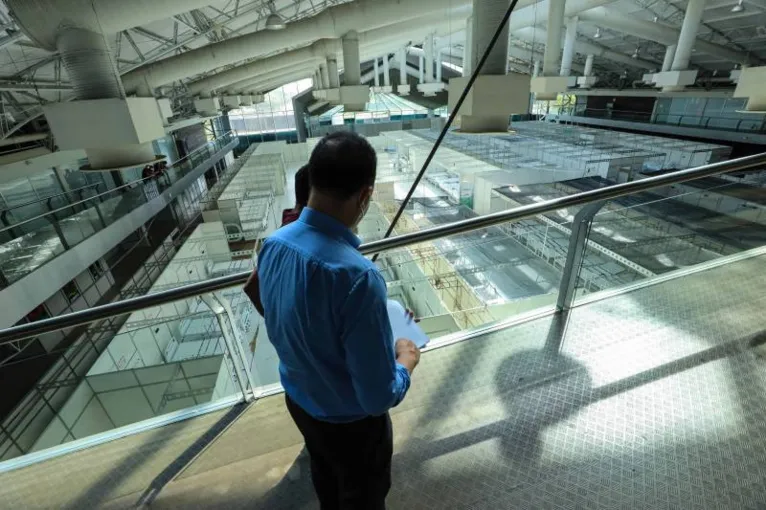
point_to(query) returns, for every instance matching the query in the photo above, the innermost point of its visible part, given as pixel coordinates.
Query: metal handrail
(89, 199)
(187, 291)
(43, 199)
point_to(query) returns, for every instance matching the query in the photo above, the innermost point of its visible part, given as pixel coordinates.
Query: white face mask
(363, 210)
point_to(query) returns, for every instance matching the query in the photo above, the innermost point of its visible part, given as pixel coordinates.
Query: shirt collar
(329, 225)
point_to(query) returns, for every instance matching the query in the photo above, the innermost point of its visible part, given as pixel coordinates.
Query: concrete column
(688, 35)
(386, 71)
(536, 69)
(588, 71)
(376, 70)
(351, 72)
(670, 52)
(421, 68)
(403, 66)
(552, 53)
(332, 72)
(324, 76)
(468, 47)
(569, 46)
(428, 48)
(317, 80)
(486, 15)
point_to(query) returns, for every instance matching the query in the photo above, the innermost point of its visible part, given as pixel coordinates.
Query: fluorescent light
(739, 7)
(597, 35)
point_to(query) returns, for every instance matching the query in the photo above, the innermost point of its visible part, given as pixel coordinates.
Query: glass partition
(64, 227)
(675, 227)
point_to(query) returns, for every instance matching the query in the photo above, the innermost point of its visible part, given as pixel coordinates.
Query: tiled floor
(651, 399)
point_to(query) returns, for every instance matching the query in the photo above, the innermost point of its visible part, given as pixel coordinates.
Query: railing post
(100, 215)
(575, 254)
(225, 317)
(59, 232)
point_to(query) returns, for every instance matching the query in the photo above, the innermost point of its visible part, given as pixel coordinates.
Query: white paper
(403, 326)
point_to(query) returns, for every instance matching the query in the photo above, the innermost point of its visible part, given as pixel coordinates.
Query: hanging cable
(450, 120)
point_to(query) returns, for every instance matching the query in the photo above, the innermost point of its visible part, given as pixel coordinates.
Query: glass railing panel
(671, 228)
(469, 280)
(158, 361)
(37, 241)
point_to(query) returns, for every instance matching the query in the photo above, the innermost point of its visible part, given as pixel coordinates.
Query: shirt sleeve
(380, 383)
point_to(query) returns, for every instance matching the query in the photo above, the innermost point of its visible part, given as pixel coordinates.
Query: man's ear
(366, 194)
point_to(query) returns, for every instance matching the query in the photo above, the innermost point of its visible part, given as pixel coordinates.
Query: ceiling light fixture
(739, 7)
(597, 35)
(635, 53)
(274, 21)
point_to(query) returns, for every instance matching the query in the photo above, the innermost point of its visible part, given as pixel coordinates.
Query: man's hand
(407, 354)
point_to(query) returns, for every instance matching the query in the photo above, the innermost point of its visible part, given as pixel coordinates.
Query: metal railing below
(516, 214)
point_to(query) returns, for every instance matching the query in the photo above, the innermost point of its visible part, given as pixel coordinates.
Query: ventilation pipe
(351, 70)
(290, 70)
(495, 95)
(428, 47)
(123, 142)
(308, 56)
(468, 48)
(404, 88)
(325, 77)
(553, 41)
(359, 15)
(376, 72)
(569, 46)
(588, 71)
(670, 51)
(679, 76)
(587, 80)
(332, 72)
(352, 95)
(688, 35)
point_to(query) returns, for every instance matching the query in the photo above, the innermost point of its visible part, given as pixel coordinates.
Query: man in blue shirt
(325, 310)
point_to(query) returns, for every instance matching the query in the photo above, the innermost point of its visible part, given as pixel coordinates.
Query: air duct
(335, 22)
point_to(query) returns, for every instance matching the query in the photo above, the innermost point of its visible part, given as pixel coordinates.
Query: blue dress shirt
(325, 312)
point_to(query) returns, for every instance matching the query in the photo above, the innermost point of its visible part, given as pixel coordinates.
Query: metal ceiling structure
(31, 75)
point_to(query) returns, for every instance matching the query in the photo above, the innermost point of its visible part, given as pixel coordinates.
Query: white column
(670, 52)
(468, 47)
(536, 69)
(376, 70)
(317, 80)
(486, 15)
(351, 72)
(688, 35)
(553, 42)
(403, 66)
(588, 71)
(421, 68)
(325, 76)
(332, 72)
(569, 45)
(386, 71)
(439, 65)
(428, 48)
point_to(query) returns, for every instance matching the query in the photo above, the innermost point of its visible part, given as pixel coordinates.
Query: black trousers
(350, 462)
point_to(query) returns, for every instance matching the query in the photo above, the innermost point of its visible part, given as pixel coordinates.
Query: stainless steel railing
(187, 291)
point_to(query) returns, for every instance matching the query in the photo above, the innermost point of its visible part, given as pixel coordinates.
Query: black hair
(342, 164)
(302, 186)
